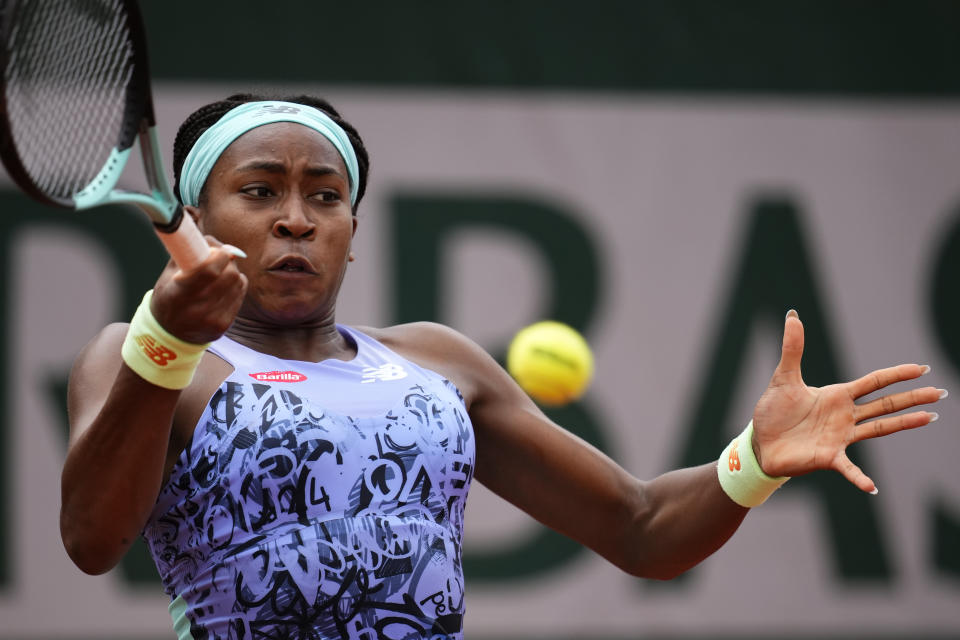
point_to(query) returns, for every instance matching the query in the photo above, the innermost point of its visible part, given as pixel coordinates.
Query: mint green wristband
(740, 474)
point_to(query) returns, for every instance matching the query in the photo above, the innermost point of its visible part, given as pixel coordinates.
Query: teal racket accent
(74, 97)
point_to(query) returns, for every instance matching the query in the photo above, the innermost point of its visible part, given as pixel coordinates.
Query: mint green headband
(236, 122)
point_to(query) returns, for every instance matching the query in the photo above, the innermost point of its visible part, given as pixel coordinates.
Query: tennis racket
(75, 96)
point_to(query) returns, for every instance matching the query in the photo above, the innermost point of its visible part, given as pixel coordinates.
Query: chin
(293, 309)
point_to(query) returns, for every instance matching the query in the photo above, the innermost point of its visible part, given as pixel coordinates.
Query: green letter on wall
(422, 227)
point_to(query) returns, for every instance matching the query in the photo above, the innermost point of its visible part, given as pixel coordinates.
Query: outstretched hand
(798, 429)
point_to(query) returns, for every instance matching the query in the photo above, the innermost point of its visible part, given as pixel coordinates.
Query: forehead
(287, 142)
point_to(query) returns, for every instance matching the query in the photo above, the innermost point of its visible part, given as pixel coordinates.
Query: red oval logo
(278, 376)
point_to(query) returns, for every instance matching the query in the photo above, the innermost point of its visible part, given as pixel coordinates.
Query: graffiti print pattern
(285, 520)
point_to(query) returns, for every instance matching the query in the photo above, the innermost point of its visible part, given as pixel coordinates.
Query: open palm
(798, 429)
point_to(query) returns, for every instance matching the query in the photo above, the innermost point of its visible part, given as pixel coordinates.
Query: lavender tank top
(319, 500)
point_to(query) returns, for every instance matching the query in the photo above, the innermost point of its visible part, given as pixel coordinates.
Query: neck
(310, 343)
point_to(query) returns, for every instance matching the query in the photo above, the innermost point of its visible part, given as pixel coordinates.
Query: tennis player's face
(281, 193)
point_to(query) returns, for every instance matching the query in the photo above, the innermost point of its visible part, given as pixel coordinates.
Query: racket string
(66, 85)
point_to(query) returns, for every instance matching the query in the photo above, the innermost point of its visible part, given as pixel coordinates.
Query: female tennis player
(296, 478)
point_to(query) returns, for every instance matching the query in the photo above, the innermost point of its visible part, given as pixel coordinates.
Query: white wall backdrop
(663, 185)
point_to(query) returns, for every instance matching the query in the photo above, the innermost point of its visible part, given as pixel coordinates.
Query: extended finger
(854, 474)
(791, 352)
(893, 424)
(897, 402)
(876, 380)
(236, 252)
(212, 266)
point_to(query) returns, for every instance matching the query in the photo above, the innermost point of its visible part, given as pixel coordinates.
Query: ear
(351, 256)
(194, 213)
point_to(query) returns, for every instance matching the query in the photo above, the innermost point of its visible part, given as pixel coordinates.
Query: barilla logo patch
(278, 376)
(154, 350)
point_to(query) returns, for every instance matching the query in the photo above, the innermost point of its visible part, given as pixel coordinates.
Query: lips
(293, 264)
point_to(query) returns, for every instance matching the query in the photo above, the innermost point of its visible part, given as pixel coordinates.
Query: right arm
(119, 433)
(121, 425)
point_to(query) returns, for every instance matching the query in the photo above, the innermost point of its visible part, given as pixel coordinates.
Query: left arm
(661, 527)
(654, 529)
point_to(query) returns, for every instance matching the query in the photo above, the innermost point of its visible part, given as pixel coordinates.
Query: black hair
(207, 115)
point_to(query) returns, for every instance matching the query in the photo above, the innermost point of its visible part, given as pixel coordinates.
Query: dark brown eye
(257, 191)
(328, 195)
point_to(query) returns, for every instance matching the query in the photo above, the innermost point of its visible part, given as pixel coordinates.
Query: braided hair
(206, 116)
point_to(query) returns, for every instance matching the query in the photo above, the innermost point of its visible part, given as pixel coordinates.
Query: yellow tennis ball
(551, 362)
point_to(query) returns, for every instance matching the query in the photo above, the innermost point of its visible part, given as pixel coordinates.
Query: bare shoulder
(421, 335)
(96, 367)
(100, 353)
(444, 350)
(109, 338)
(93, 372)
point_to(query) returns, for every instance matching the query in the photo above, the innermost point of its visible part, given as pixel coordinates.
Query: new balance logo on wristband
(278, 376)
(742, 478)
(734, 459)
(158, 353)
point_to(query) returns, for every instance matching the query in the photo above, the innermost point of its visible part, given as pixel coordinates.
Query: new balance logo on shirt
(388, 371)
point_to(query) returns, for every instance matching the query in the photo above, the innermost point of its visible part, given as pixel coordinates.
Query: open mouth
(293, 264)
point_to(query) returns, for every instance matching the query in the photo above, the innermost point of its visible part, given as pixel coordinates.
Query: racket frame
(182, 239)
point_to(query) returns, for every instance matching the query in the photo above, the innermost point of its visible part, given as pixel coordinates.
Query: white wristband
(155, 354)
(740, 474)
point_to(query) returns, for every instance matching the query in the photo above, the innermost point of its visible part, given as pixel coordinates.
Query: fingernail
(237, 252)
(934, 416)
(925, 369)
(793, 312)
(944, 393)
(875, 490)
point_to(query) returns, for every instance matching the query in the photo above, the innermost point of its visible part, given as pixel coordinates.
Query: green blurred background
(705, 104)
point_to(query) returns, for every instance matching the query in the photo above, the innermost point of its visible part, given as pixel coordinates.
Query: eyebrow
(280, 168)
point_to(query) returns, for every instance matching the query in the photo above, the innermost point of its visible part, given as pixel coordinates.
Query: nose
(294, 222)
